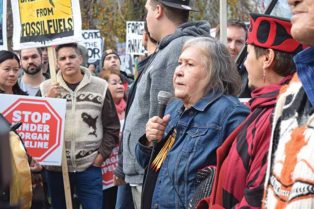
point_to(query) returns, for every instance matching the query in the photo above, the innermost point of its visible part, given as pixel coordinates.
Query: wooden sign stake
(65, 173)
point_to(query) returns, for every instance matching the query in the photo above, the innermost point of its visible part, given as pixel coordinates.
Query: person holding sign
(91, 128)
(9, 70)
(117, 91)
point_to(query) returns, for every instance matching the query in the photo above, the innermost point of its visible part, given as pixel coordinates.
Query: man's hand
(54, 91)
(118, 181)
(35, 167)
(98, 160)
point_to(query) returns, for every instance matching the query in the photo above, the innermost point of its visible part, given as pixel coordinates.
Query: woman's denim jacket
(200, 130)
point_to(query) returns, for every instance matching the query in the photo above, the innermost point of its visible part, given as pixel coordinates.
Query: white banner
(42, 125)
(39, 23)
(134, 33)
(93, 42)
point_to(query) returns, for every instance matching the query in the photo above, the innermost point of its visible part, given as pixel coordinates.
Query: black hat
(178, 4)
(110, 51)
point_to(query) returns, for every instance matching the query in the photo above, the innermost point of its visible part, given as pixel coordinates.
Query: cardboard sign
(40, 23)
(42, 125)
(3, 26)
(93, 42)
(134, 33)
(108, 168)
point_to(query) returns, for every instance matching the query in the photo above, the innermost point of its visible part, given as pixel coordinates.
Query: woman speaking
(206, 112)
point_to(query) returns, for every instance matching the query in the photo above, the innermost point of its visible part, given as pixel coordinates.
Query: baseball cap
(178, 4)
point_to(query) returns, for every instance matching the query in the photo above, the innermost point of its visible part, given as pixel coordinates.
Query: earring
(264, 76)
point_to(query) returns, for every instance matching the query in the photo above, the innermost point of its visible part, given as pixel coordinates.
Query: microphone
(163, 98)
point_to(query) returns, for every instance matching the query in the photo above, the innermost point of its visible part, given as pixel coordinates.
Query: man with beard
(31, 63)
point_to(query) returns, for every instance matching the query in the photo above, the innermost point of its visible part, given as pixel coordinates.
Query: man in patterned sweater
(91, 128)
(290, 173)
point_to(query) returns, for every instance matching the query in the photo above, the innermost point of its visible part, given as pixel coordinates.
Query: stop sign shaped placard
(41, 126)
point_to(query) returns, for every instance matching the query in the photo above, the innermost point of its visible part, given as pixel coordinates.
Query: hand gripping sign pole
(65, 173)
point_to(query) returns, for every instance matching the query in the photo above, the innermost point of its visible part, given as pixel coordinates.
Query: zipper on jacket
(72, 142)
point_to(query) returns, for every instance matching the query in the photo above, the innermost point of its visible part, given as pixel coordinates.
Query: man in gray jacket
(167, 22)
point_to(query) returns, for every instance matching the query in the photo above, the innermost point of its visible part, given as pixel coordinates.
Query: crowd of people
(208, 150)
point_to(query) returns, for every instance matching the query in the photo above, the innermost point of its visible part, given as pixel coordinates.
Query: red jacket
(242, 159)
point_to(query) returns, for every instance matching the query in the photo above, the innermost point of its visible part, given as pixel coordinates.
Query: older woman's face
(8, 74)
(190, 77)
(116, 87)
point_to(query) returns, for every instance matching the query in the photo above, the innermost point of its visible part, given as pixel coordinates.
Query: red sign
(108, 167)
(41, 126)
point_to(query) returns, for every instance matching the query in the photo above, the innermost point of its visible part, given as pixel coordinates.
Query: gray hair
(222, 72)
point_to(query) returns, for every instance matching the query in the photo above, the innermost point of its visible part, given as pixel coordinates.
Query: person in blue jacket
(206, 111)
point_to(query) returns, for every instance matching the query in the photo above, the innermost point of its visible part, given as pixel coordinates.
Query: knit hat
(177, 4)
(110, 51)
(273, 33)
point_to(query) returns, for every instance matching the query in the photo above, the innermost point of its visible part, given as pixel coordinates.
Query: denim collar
(205, 101)
(305, 56)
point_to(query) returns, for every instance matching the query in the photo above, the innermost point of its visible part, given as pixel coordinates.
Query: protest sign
(108, 167)
(93, 42)
(134, 33)
(40, 23)
(3, 27)
(42, 125)
(127, 63)
(126, 59)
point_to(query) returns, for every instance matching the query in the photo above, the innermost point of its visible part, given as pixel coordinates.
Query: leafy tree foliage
(109, 16)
